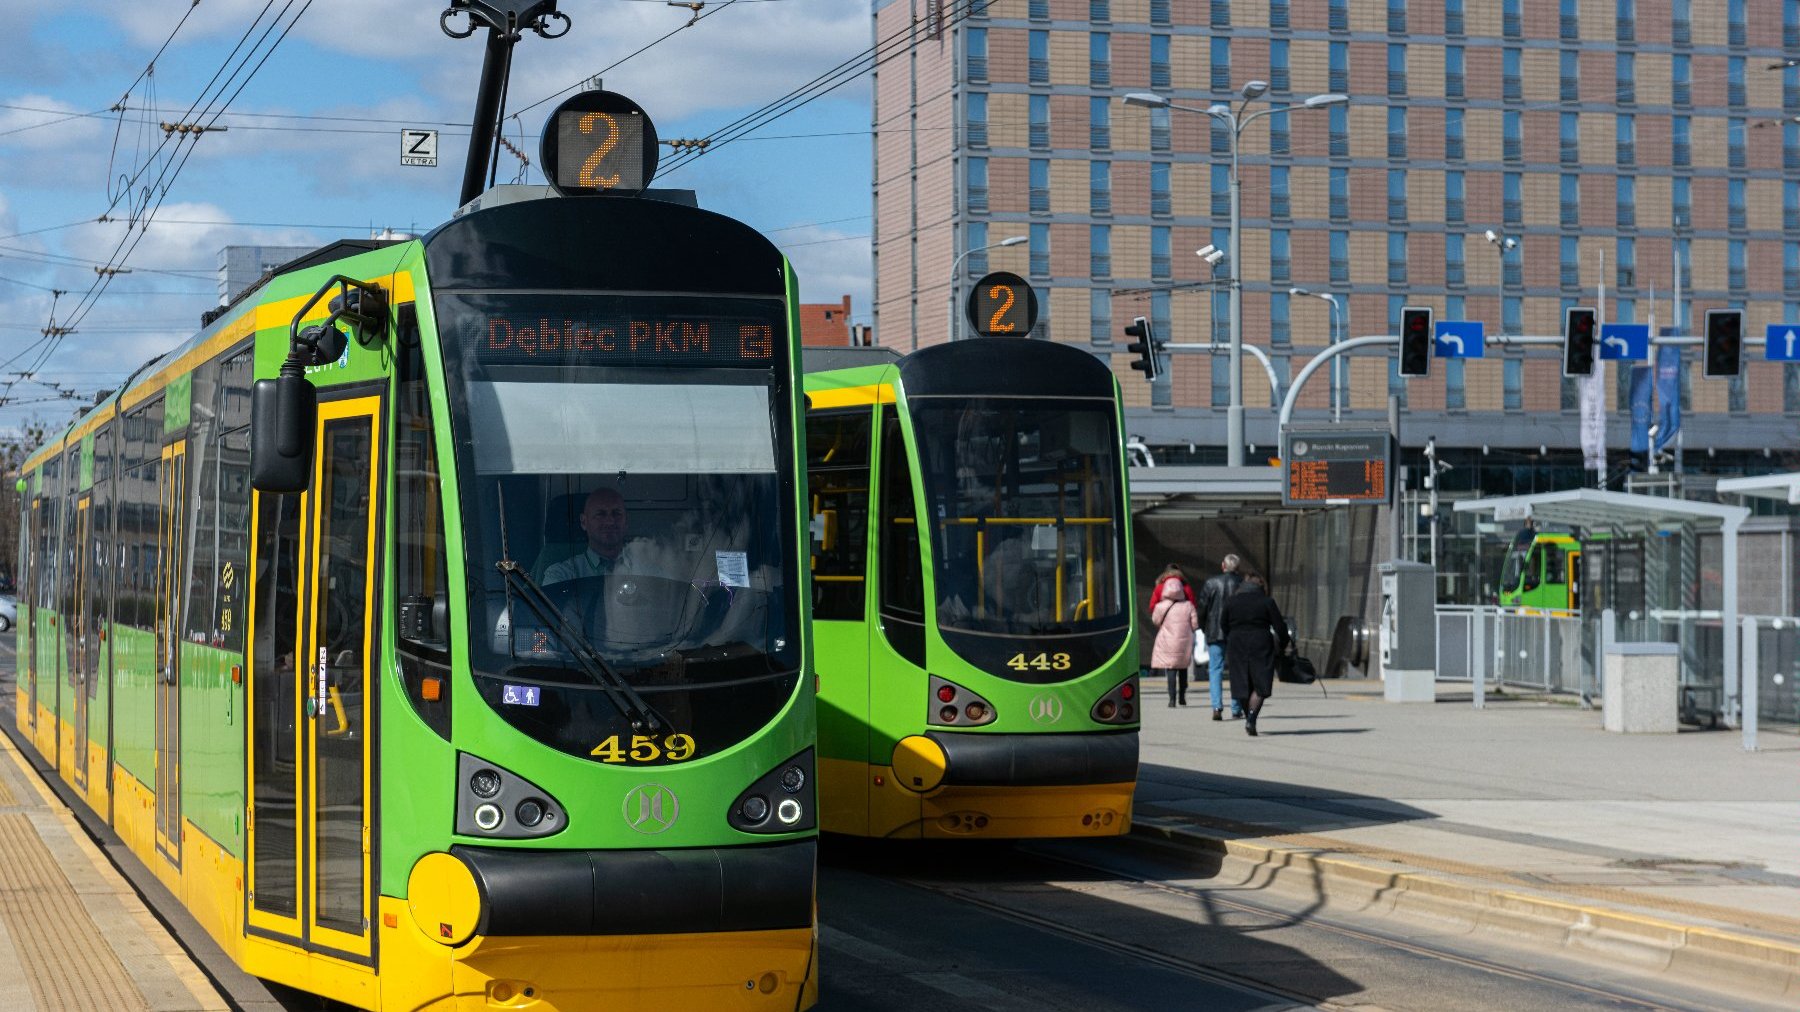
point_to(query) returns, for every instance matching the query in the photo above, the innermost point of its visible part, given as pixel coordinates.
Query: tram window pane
(202, 521)
(1025, 505)
(1554, 569)
(902, 567)
(837, 474)
(275, 703)
(341, 614)
(233, 540)
(421, 584)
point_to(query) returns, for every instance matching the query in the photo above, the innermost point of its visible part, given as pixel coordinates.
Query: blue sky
(374, 66)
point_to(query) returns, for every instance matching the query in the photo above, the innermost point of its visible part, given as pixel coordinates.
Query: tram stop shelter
(1669, 592)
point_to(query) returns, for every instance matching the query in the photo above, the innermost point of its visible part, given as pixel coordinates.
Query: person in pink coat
(1175, 620)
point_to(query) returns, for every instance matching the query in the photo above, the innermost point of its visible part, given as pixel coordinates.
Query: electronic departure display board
(1331, 467)
(564, 330)
(599, 142)
(1002, 304)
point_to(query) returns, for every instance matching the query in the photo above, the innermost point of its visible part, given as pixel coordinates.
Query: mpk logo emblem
(651, 808)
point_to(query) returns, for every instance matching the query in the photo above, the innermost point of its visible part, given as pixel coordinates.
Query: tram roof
(1784, 487)
(1596, 508)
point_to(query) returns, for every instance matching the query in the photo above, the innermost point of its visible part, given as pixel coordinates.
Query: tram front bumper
(946, 784)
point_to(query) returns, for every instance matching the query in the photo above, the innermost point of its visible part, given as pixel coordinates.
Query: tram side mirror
(282, 414)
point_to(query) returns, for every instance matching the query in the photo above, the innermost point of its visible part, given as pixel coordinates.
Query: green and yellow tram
(971, 592)
(1543, 572)
(493, 691)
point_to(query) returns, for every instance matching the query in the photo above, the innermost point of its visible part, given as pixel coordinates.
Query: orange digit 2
(994, 324)
(590, 174)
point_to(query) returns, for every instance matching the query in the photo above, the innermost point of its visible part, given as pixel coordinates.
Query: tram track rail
(1615, 997)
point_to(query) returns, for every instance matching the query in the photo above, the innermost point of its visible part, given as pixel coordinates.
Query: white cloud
(831, 263)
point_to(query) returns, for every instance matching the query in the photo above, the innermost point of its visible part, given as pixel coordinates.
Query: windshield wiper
(618, 690)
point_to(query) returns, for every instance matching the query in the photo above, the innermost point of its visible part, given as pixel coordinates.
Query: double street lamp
(1237, 121)
(950, 327)
(1337, 373)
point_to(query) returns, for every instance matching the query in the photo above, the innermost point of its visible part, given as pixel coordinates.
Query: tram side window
(837, 475)
(71, 492)
(200, 512)
(230, 580)
(902, 566)
(138, 515)
(101, 575)
(1554, 569)
(421, 583)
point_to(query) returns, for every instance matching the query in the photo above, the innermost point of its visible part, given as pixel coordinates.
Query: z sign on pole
(419, 147)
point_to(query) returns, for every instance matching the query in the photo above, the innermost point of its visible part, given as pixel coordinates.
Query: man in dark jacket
(1211, 606)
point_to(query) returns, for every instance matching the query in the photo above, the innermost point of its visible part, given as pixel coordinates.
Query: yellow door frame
(368, 408)
(171, 578)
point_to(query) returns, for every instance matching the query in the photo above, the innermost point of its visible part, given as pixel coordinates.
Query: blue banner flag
(1668, 394)
(1641, 411)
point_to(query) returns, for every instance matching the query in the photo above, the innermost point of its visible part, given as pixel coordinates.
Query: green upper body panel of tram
(971, 591)
(544, 593)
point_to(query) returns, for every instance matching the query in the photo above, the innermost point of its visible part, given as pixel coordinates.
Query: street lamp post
(950, 327)
(1337, 332)
(1503, 244)
(1235, 118)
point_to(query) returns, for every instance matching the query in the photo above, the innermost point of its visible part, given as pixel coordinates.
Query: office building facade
(1612, 139)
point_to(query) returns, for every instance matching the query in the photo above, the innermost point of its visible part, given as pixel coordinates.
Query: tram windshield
(625, 526)
(1024, 505)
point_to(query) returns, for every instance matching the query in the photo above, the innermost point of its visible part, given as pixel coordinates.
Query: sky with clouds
(312, 152)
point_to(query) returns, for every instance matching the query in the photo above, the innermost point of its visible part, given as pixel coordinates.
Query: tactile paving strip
(66, 960)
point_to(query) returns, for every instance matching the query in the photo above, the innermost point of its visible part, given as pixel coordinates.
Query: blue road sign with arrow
(1460, 339)
(1782, 343)
(1625, 342)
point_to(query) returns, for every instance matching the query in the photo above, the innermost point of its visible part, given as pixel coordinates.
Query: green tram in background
(978, 668)
(408, 737)
(1543, 573)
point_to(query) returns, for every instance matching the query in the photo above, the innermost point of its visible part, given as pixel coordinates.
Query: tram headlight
(779, 801)
(951, 705)
(1116, 706)
(485, 783)
(492, 801)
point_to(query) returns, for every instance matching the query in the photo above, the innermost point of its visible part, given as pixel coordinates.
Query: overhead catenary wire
(894, 45)
(54, 334)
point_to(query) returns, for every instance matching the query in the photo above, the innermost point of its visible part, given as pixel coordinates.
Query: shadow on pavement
(1246, 806)
(1109, 915)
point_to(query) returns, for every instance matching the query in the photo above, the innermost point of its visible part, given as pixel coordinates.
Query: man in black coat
(1211, 608)
(1255, 632)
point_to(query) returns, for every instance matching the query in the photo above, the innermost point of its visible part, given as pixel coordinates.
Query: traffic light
(1145, 348)
(1724, 342)
(1415, 341)
(1579, 325)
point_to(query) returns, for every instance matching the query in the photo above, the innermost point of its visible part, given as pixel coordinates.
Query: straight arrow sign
(1782, 343)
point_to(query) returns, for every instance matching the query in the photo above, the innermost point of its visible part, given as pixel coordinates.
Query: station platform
(74, 934)
(1671, 853)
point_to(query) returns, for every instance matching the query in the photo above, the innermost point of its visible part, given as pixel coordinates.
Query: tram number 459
(644, 748)
(1042, 662)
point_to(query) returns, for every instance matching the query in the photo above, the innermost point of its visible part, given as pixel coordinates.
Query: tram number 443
(644, 748)
(1042, 662)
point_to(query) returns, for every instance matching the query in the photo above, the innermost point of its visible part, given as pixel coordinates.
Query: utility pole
(503, 19)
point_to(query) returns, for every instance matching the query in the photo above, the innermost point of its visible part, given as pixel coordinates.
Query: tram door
(171, 584)
(33, 587)
(313, 639)
(83, 643)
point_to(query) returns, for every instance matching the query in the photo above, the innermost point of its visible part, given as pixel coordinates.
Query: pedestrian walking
(1175, 620)
(1255, 632)
(1211, 605)
(1172, 569)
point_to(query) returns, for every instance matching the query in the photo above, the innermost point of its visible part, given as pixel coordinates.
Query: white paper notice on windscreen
(734, 568)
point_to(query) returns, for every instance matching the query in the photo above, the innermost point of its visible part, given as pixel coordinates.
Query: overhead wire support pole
(503, 19)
